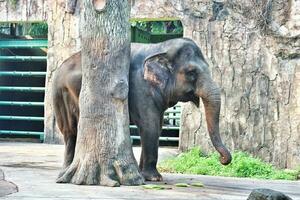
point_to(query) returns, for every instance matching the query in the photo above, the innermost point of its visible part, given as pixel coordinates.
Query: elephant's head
(181, 73)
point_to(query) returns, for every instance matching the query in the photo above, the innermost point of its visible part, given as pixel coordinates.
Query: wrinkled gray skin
(160, 75)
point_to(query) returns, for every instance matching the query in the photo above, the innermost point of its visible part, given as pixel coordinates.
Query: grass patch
(242, 165)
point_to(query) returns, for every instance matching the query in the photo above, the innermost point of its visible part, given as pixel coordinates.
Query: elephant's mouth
(193, 98)
(188, 96)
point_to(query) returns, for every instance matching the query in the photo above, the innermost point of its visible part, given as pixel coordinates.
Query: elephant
(160, 75)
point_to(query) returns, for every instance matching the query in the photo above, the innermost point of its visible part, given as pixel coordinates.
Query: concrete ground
(33, 168)
(6, 187)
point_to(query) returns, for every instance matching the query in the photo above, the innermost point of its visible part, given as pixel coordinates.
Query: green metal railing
(23, 74)
(163, 127)
(23, 58)
(173, 111)
(13, 58)
(34, 43)
(172, 139)
(21, 89)
(23, 118)
(171, 117)
(21, 132)
(20, 103)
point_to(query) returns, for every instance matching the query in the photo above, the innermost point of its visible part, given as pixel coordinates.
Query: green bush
(159, 27)
(242, 165)
(38, 29)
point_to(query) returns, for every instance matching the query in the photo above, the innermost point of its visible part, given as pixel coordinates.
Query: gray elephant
(160, 76)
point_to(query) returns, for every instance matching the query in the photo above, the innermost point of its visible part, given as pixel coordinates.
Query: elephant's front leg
(150, 130)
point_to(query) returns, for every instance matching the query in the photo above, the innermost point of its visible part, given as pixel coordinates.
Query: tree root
(111, 174)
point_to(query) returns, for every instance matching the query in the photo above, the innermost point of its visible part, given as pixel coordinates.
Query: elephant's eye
(191, 75)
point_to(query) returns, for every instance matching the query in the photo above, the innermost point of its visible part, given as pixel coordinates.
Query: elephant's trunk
(210, 94)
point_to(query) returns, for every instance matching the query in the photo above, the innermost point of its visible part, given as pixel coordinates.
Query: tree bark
(103, 152)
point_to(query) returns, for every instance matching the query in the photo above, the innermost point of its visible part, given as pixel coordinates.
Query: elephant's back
(67, 68)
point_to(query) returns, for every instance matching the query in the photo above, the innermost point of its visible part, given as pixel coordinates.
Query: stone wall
(254, 53)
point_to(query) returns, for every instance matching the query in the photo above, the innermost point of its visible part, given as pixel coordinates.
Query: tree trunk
(103, 152)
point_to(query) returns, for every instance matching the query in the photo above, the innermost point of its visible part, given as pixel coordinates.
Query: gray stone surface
(34, 167)
(267, 194)
(252, 48)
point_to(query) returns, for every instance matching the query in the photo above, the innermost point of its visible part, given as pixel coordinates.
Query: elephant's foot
(62, 172)
(151, 175)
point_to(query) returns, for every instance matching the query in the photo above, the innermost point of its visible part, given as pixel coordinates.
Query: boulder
(267, 194)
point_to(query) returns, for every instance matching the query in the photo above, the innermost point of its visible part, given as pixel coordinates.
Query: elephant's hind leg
(67, 123)
(71, 121)
(70, 143)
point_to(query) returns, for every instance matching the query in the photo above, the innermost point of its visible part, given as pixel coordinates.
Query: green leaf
(153, 187)
(182, 185)
(197, 184)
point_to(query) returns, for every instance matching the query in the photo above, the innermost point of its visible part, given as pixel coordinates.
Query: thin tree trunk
(103, 152)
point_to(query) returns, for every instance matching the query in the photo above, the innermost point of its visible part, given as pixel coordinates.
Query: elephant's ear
(157, 70)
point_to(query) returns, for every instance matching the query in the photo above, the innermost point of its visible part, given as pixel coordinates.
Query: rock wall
(253, 48)
(254, 54)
